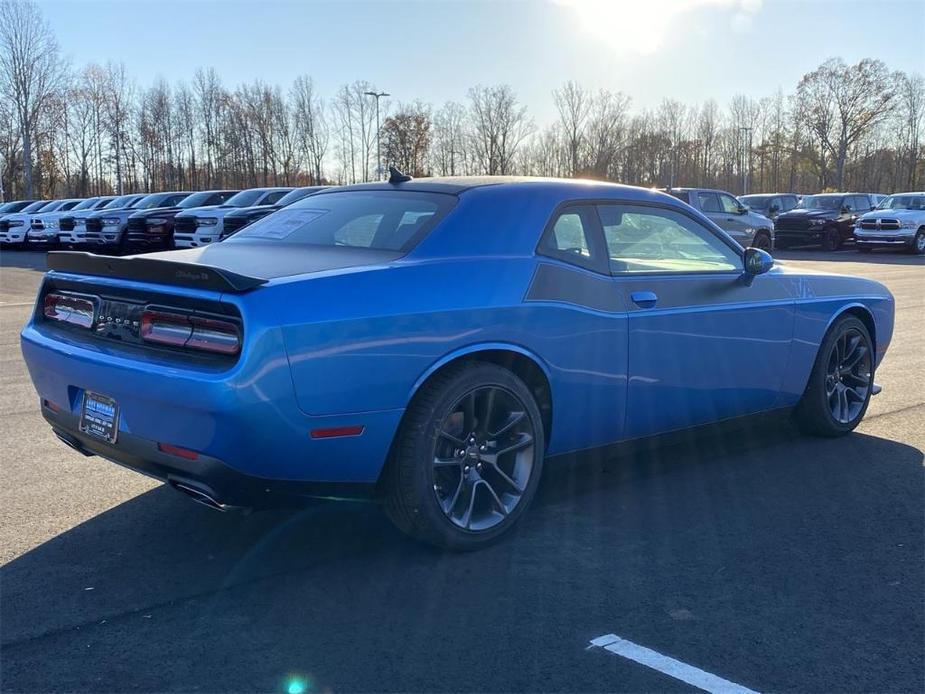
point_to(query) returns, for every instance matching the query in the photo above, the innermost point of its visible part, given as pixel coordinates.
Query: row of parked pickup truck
(183, 219)
(139, 222)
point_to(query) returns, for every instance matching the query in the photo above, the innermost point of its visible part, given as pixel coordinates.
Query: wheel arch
(528, 366)
(862, 313)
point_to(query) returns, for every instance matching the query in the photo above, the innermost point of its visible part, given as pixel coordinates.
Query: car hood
(154, 211)
(895, 214)
(251, 211)
(809, 214)
(270, 260)
(208, 211)
(124, 212)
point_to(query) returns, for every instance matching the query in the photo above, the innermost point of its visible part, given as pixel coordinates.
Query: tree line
(67, 131)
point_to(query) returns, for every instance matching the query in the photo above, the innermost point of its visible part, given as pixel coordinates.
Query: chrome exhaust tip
(201, 496)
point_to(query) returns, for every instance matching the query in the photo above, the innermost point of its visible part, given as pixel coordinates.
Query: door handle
(644, 299)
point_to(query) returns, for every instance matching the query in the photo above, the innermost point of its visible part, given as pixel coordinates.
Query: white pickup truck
(898, 222)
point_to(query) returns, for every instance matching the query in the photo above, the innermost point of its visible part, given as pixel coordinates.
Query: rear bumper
(241, 421)
(210, 476)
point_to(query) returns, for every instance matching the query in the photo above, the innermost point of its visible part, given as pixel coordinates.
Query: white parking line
(668, 666)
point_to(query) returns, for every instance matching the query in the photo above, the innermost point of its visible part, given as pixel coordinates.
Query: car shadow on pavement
(758, 552)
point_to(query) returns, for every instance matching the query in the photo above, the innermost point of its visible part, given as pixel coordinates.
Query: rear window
(378, 220)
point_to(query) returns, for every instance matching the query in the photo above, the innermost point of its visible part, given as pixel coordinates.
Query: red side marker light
(177, 451)
(53, 406)
(336, 432)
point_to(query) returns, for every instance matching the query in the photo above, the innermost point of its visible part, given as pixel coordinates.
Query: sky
(691, 50)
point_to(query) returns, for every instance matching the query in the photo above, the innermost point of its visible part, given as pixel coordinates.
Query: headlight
(816, 222)
(110, 221)
(908, 224)
(207, 221)
(15, 223)
(156, 222)
(51, 224)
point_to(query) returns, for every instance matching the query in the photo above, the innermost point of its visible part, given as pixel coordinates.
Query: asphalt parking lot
(774, 561)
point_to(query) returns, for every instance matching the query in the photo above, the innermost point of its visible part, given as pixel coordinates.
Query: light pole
(377, 95)
(746, 157)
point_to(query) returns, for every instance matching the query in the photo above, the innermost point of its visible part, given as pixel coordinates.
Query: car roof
(456, 185)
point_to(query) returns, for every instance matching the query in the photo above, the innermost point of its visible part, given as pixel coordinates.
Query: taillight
(71, 309)
(194, 332)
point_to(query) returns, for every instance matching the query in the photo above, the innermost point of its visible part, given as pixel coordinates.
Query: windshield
(821, 202)
(195, 200)
(379, 220)
(245, 198)
(87, 204)
(151, 201)
(295, 195)
(35, 207)
(903, 202)
(121, 202)
(756, 202)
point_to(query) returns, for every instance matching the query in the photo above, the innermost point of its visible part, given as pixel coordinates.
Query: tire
(449, 505)
(918, 243)
(762, 240)
(815, 413)
(831, 240)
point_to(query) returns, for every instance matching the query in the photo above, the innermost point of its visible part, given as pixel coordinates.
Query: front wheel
(467, 459)
(841, 381)
(762, 240)
(831, 240)
(918, 243)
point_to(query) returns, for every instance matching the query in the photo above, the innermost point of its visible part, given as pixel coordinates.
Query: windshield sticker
(282, 225)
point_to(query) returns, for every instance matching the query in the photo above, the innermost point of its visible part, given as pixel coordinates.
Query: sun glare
(642, 26)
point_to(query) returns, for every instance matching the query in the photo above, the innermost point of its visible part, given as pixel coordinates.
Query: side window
(173, 200)
(569, 237)
(654, 239)
(709, 202)
(274, 197)
(730, 204)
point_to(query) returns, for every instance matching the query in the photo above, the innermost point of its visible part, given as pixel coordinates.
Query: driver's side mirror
(773, 209)
(846, 208)
(757, 262)
(742, 209)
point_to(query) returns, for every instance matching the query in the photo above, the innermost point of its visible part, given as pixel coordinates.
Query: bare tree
(499, 125)
(31, 71)
(407, 135)
(574, 106)
(310, 124)
(447, 148)
(841, 102)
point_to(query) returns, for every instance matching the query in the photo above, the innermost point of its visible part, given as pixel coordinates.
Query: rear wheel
(467, 459)
(841, 382)
(918, 243)
(831, 240)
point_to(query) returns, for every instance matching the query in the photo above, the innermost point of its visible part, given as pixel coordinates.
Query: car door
(703, 345)
(724, 214)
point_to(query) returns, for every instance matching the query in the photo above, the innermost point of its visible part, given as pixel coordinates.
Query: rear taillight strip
(190, 331)
(67, 308)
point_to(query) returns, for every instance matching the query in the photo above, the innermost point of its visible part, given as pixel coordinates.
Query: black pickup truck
(827, 219)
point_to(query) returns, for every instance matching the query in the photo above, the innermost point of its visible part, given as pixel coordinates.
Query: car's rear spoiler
(152, 270)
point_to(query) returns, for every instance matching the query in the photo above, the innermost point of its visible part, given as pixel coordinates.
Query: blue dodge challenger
(429, 342)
